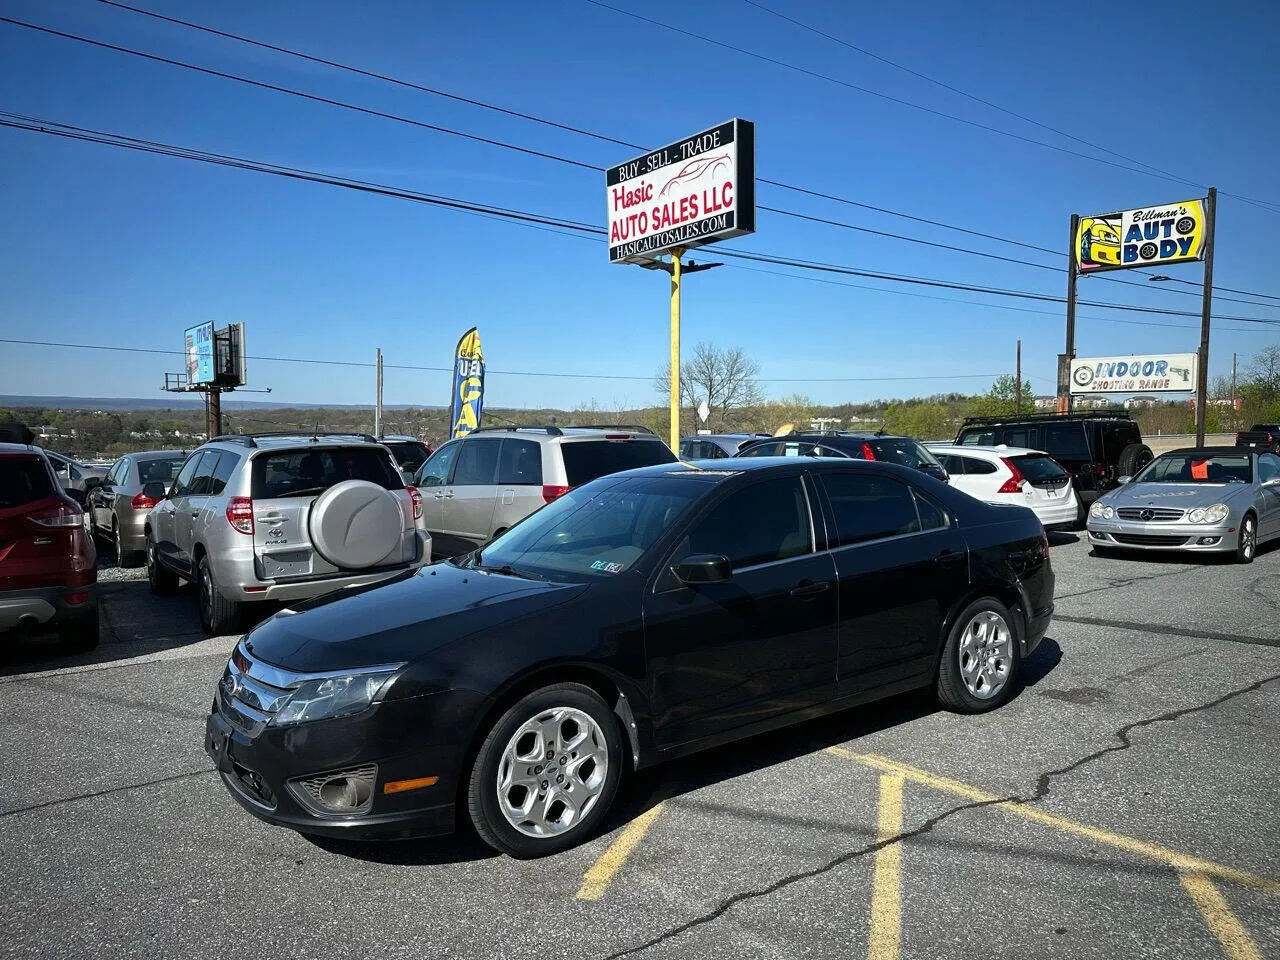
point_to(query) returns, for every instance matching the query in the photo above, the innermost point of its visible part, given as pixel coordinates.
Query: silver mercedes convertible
(1206, 499)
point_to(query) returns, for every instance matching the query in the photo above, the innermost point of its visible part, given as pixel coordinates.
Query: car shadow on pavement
(461, 847)
(1060, 538)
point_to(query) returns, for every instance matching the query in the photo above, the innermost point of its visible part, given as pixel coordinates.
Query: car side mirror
(91, 482)
(703, 568)
(155, 490)
(1123, 480)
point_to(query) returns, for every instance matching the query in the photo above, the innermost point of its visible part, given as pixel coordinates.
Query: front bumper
(262, 766)
(45, 606)
(1136, 535)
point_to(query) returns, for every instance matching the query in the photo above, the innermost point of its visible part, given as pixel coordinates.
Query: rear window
(23, 480)
(160, 470)
(903, 451)
(584, 460)
(1038, 468)
(308, 473)
(409, 454)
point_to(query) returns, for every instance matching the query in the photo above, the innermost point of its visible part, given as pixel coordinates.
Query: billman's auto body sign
(689, 193)
(1151, 236)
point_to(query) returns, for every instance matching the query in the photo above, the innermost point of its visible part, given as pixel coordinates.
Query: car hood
(400, 619)
(1183, 496)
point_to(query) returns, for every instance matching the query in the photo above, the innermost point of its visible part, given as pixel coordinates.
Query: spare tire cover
(355, 524)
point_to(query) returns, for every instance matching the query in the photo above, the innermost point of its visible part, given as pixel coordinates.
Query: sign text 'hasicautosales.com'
(695, 191)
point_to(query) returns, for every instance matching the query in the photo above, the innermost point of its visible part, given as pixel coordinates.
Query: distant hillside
(183, 401)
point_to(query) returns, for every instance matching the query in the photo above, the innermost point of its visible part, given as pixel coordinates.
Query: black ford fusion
(641, 617)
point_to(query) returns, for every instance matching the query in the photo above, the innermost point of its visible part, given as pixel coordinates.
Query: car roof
(1214, 451)
(301, 441)
(999, 450)
(722, 469)
(728, 436)
(155, 454)
(13, 449)
(400, 438)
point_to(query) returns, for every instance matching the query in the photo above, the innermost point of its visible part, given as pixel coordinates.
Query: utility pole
(377, 403)
(1017, 383)
(1064, 363)
(1202, 374)
(1233, 381)
(214, 424)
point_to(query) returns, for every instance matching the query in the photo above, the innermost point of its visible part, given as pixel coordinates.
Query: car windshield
(585, 460)
(594, 532)
(159, 470)
(23, 480)
(1198, 468)
(902, 450)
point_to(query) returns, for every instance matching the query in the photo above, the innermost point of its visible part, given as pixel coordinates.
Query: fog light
(1208, 541)
(340, 793)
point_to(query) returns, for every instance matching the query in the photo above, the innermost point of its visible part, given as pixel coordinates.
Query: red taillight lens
(867, 452)
(1237, 437)
(1015, 482)
(143, 502)
(416, 497)
(551, 492)
(1099, 469)
(240, 514)
(75, 599)
(65, 514)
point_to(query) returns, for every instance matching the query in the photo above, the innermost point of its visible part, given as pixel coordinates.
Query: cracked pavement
(1150, 712)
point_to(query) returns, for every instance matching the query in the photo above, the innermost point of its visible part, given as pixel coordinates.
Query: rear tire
(1132, 459)
(80, 635)
(125, 559)
(162, 580)
(564, 714)
(218, 615)
(981, 658)
(1247, 540)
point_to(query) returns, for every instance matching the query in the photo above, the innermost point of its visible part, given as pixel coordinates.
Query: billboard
(466, 402)
(686, 194)
(199, 353)
(1154, 373)
(1150, 236)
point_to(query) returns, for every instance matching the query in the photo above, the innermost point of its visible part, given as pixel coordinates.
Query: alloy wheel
(1248, 538)
(986, 654)
(206, 593)
(115, 536)
(552, 772)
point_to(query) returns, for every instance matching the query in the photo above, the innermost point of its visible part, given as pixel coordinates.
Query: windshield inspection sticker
(604, 567)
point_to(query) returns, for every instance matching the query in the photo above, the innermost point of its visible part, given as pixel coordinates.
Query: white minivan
(1029, 478)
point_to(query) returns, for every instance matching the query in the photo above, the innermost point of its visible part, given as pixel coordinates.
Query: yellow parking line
(1222, 923)
(884, 938)
(1182, 862)
(597, 879)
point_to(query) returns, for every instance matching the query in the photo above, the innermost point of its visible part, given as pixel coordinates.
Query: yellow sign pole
(676, 254)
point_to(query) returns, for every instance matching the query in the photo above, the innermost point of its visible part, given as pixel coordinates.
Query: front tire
(1247, 541)
(161, 580)
(981, 658)
(218, 615)
(546, 773)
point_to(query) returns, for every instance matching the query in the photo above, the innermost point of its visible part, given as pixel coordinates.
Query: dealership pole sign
(689, 193)
(1155, 373)
(1147, 237)
(466, 402)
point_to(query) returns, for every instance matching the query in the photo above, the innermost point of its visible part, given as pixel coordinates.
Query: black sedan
(644, 616)
(860, 446)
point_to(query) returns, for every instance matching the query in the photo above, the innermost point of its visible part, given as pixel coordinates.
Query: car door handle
(808, 590)
(447, 496)
(195, 513)
(948, 557)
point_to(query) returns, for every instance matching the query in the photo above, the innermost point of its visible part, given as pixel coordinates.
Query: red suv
(47, 575)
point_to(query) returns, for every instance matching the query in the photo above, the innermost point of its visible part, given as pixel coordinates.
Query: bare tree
(1264, 372)
(725, 379)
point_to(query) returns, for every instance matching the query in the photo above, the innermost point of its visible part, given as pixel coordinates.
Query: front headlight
(324, 699)
(1214, 514)
(1102, 510)
(1096, 509)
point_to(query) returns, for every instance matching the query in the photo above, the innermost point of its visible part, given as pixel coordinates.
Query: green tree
(924, 421)
(999, 400)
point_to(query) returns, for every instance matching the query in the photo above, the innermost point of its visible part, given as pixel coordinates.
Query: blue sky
(109, 246)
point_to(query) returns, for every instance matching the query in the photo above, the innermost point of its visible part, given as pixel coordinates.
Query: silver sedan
(1206, 499)
(118, 506)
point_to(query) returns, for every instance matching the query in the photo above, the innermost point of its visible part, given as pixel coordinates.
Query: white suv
(477, 486)
(281, 517)
(1029, 478)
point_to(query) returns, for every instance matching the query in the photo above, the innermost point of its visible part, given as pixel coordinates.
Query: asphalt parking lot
(1123, 805)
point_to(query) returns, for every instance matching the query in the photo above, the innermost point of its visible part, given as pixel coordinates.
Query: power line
(79, 133)
(620, 142)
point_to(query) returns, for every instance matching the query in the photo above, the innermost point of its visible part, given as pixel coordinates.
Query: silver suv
(282, 517)
(477, 486)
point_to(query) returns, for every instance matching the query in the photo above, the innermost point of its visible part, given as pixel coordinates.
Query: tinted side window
(758, 524)
(951, 463)
(186, 476)
(203, 482)
(932, 515)
(23, 480)
(520, 462)
(1064, 441)
(119, 473)
(585, 460)
(869, 507)
(978, 437)
(772, 449)
(1020, 436)
(1268, 467)
(477, 462)
(435, 472)
(972, 465)
(221, 472)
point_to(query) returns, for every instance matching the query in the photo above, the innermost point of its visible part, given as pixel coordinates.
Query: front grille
(341, 793)
(1148, 540)
(1150, 514)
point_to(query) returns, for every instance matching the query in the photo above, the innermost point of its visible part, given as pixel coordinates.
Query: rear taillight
(416, 497)
(867, 452)
(1237, 438)
(552, 492)
(1015, 482)
(1099, 469)
(65, 514)
(240, 514)
(143, 502)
